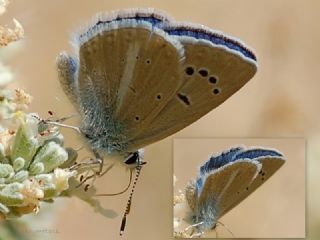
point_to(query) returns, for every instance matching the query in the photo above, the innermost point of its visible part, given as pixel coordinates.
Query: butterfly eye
(148, 61)
(132, 158)
(137, 118)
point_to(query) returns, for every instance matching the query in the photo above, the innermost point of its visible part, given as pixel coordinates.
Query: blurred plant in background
(182, 228)
(34, 164)
(8, 35)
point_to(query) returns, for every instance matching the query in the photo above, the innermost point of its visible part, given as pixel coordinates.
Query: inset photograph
(239, 188)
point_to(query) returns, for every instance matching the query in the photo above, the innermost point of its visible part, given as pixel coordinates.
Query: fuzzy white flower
(31, 191)
(5, 75)
(182, 217)
(34, 165)
(60, 179)
(3, 6)
(8, 35)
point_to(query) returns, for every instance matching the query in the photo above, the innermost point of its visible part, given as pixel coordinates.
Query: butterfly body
(138, 76)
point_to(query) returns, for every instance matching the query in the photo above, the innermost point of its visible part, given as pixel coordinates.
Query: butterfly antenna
(226, 228)
(127, 211)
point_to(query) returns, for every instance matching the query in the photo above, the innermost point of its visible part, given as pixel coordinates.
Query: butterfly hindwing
(122, 60)
(223, 187)
(128, 69)
(151, 83)
(68, 67)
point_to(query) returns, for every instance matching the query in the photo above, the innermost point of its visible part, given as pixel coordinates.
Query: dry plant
(8, 35)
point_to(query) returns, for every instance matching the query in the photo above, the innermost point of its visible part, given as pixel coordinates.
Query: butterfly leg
(97, 161)
(63, 119)
(190, 231)
(225, 228)
(85, 164)
(77, 129)
(100, 161)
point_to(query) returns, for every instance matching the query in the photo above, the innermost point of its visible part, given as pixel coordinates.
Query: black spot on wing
(184, 98)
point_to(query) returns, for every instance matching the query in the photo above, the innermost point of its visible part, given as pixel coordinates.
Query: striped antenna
(128, 207)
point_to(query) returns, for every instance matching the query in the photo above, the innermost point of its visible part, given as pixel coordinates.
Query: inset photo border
(239, 187)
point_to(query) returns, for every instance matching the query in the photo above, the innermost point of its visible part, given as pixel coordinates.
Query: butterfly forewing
(98, 76)
(269, 166)
(211, 74)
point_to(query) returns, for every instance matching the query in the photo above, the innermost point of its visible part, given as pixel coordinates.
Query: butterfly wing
(222, 187)
(271, 160)
(131, 60)
(215, 67)
(67, 66)
(215, 162)
(140, 77)
(127, 70)
(228, 178)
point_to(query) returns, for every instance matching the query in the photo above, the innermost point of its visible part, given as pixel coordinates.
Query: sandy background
(280, 101)
(263, 213)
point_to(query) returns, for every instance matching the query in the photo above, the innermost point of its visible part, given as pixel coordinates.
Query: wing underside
(140, 75)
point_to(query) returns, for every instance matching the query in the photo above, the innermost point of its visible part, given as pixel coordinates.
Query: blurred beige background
(267, 212)
(280, 101)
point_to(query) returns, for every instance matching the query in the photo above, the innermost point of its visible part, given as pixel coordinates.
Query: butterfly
(139, 76)
(226, 179)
